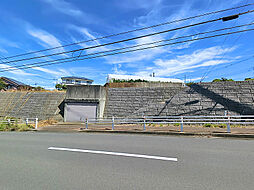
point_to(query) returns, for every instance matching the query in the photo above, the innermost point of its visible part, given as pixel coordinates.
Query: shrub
(190, 83)
(122, 81)
(15, 127)
(207, 125)
(222, 79)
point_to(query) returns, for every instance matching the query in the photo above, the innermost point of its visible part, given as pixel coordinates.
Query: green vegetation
(127, 81)
(190, 83)
(60, 87)
(2, 84)
(246, 79)
(222, 79)
(14, 127)
(215, 125)
(38, 88)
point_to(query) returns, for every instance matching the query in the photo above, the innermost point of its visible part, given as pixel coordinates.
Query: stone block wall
(123, 102)
(44, 105)
(199, 99)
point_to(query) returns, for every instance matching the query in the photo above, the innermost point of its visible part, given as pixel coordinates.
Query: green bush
(122, 81)
(60, 87)
(15, 127)
(222, 79)
(246, 79)
(208, 125)
(2, 84)
(190, 83)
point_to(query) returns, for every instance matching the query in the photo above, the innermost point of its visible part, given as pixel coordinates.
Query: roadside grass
(15, 127)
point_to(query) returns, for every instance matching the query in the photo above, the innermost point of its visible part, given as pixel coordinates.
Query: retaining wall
(198, 99)
(43, 105)
(123, 102)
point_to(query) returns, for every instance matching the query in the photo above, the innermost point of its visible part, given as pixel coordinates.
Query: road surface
(26, 162)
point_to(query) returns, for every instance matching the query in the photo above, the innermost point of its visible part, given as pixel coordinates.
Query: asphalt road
(203, 163)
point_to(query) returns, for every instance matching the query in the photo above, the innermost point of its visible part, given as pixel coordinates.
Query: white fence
(27, 121)
(181, 120)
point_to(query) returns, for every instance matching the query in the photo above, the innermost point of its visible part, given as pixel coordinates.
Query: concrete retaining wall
(198, 99)
(87, 94)
(44, 105)
(123, 102)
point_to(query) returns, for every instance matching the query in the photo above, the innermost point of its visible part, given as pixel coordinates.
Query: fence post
(86, 123)
(181, 123)
(36, 123)
(9, 121)
(144, 123)
(26, 121)
(113, 124)
(228, 125)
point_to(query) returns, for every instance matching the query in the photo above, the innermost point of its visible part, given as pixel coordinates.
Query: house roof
(76, 78)
(12, 81)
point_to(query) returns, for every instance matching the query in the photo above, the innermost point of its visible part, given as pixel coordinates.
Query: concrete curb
(172, 133)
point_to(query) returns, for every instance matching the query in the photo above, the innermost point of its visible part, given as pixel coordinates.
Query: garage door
(80, 111)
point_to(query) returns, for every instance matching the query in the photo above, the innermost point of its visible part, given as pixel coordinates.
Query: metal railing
(181, 120)
(27, 121)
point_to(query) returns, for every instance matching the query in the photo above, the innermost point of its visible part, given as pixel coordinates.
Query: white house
(71, 80)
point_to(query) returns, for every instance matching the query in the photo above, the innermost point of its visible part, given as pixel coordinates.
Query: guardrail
(26, 121)
(228, 120)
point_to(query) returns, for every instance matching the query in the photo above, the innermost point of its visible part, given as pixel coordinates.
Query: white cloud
(55, 72)
(8, 43)
(3, 51)
(16, 72)
(69, 9)
(137, 4)
(65, 7)
(199, 58)
(45, 39)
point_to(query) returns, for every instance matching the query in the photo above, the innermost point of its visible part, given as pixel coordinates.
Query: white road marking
(115, 153)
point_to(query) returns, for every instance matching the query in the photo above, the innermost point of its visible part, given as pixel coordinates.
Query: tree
(60, 87)
(2, 84)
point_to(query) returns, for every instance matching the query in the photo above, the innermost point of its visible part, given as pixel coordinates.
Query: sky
(31, 25)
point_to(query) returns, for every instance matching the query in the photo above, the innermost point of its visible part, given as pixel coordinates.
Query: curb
(172, 133)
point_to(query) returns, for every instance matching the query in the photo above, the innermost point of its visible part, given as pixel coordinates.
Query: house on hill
(71, 80)
(12, 84)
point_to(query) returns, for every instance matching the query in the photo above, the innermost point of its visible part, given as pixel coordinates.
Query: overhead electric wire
(128, 47)
(211, 69)
(135, 30)
(140, 49)
(232, 64)
(129, 39)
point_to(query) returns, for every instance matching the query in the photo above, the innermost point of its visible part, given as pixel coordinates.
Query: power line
(210, 70)
(130, 39)
(140, 49)
(128, 47)
(135, 30)
(235, 63)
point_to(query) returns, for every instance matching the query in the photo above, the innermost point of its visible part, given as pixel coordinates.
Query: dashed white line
(115, 153)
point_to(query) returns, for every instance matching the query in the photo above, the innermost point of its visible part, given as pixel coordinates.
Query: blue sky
(30, 25)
